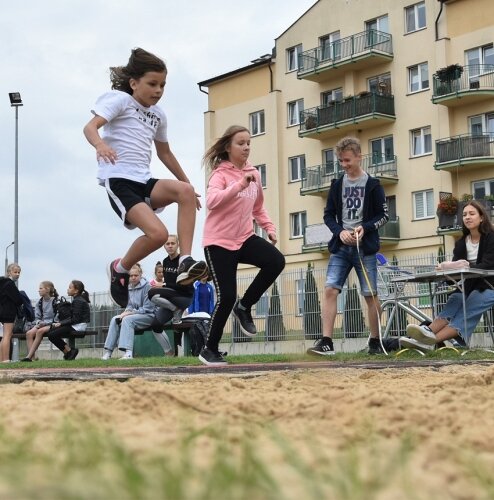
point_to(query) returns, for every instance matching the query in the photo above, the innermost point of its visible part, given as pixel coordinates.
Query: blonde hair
(348, 144)
(51, 287)
(11, 267)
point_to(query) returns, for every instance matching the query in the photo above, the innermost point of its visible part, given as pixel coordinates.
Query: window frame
(292, 58)
(330, 96)
(423, 141)
(298, 219)
(298, 107)
(414, 9)
(421, 86)
(261, 168)
(257, 118)
(300, 167)
(428, 203)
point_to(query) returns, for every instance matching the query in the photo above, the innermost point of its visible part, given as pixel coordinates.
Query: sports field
(342, 433)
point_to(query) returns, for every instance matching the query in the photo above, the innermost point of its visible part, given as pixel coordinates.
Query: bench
(71, 340)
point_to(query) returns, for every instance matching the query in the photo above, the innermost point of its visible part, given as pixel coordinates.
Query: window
(481, 189)
(329, 46)
(380, 84)
(298, 222)
(294, 110)
(421, 141)
(476, 58)
(331, 96)
(372, 27)
(482, 124)
(329, 162)
(382, 150)
(423, 204)
(262, 172)
(256, 121)
(391, 202)
(297, 167)
(415, 17)
(292, 57)
(418, 77)
(300, 284)
(260, 231)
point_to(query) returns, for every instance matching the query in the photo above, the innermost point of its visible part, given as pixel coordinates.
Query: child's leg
(154, 237)
(8, 329)
(168, 191)
(39, 333)
(30, 335)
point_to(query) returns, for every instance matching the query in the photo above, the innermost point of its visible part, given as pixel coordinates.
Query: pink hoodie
(232, 204)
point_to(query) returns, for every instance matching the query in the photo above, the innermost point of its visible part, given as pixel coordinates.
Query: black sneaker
(323, 347)
(211, 358)
(29, 360)
(244, 318)
(71, 355)
(374, 346)
(119, 285)
(190, 270)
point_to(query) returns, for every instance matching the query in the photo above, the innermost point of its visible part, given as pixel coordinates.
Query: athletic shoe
(72, 354)
(374, 346)
(107, 355)
(422, 333)
(323, 347)
(211, 358)
(410, 343)
(190, 270)
(177, 317)
(29, 360)
(119, 285)
(126, 356)
(244, 318)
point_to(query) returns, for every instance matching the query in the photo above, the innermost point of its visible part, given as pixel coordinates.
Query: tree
(275, 329)
(312, 308)
(353, 319)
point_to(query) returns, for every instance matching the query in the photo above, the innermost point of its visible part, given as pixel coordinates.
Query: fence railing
(464, 146)
(456, 79)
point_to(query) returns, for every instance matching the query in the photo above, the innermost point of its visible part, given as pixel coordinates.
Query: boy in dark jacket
(355, 210)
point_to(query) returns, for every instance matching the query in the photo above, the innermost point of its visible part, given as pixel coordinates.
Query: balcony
(362, 50)
(366, 110)
(464, 150)
(452, 224)
(317, 179)
(459, 85)
(317, 236)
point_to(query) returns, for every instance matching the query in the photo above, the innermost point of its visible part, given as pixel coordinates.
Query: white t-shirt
(130, 131)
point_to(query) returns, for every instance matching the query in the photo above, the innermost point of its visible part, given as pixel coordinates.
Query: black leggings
(223, 266)
(57, 335)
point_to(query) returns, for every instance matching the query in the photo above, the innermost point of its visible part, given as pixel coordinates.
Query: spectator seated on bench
(138, 315)
(171, 301)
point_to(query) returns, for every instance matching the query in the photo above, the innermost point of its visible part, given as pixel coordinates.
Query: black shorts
(124, 194)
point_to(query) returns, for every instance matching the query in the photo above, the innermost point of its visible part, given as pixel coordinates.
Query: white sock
(121, 269)
(182, 258)
(128, 352)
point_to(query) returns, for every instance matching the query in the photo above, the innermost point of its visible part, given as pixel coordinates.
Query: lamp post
(16, 101)
(6, 257)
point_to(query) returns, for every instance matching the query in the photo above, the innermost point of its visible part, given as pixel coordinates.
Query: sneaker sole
(195, 272)
(416, 333)
(405, 344)
(242, 329)
(326, 353)
(209, 363)
(108, 273)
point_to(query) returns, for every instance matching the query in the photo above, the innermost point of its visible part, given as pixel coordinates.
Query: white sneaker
(422, 333)
(177, 317)
(107, 355)
(410, 343)
(127, 355)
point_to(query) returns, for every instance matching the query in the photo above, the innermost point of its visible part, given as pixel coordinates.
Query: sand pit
(405, 433)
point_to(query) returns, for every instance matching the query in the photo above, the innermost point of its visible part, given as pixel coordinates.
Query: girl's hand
(106, 153)
(198, 201)
(272, 237)
(249, 177)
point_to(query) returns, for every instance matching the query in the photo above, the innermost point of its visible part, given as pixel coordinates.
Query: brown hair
(348, 144)
(79, 286)
(51, 287)
(485, 226)
(140, 62)
(217, 152)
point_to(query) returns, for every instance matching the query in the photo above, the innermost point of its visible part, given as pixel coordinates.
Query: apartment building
(413, 81)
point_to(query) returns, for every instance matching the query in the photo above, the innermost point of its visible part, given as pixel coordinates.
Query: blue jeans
(476, 304)
(341, 263)
(124, 333)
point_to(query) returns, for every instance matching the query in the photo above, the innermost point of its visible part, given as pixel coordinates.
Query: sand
(438, 421)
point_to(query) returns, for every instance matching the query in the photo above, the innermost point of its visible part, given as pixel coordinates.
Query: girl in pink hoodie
(234, 199)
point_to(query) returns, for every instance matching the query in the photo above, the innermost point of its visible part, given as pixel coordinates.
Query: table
(456, 277)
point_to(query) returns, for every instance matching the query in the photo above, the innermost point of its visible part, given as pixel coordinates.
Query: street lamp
(16, 101)
(6, 257)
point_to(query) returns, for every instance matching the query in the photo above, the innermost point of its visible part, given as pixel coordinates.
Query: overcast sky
(56, 53)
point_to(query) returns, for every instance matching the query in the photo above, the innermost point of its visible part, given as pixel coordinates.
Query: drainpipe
(437, 19)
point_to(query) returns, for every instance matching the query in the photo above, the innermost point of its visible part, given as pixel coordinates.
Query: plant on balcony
(447, 205)
(451, 72)
(466, 197)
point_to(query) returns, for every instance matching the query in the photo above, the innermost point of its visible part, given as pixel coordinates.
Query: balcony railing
(351, 110)
(390, 230)
(466, 147)
(460, 81)
(346, 50)
(318, 178)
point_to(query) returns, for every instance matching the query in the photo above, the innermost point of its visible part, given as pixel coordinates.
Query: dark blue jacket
(375, 214)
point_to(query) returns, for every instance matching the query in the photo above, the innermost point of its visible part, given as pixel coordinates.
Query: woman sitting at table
(474, 249)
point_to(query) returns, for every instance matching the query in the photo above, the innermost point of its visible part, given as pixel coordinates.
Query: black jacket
(10, 300)
(485, 260)
(375, 214)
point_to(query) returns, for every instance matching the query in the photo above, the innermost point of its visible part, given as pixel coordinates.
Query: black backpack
(198, 334)
(64, 309)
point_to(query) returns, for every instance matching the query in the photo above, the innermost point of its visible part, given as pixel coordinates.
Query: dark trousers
(223, 267)
(57, 336)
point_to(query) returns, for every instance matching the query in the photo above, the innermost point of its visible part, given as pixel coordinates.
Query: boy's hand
(348, 237)
(273, 238)
(106, 153)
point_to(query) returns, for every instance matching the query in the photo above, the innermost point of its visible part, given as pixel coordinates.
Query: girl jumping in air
(132, 121)
(234, 199)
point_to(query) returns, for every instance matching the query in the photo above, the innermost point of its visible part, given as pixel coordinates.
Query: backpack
(64, 309)
(198, 334)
